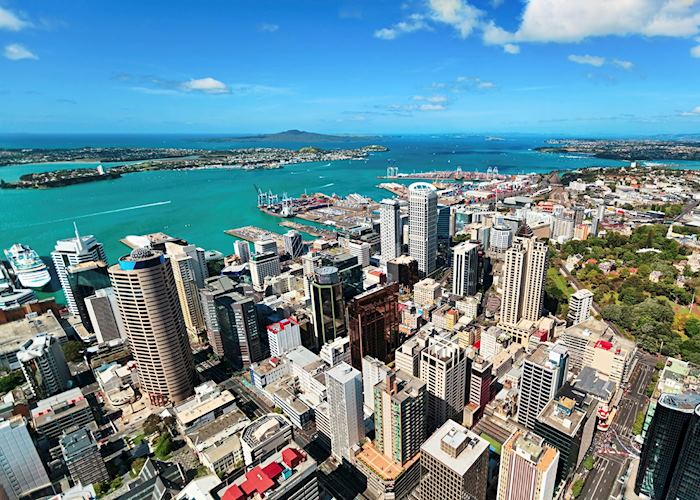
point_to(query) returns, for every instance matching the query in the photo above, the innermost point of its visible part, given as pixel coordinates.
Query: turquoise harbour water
(200, 205)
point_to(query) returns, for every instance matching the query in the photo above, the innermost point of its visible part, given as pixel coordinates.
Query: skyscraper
(399, 416)
(44, 366)
(669, 466)
(242, 249)
(263, 265)
(422, 203)
(402, 270)
(454, 463)
(84, 280)
(528, 468)
(21, 469)
(293, 244)
(104, 315)
(189, 271)
(544, 372)
(465, 269)
(373, 324)
(390, 229)
(344, 385)
(70, 252)
(283, 336)
(580, 304)
(82, 457)
(148, 304)
(327, 305)
(524, 274)
(232, 324)
(443, 367)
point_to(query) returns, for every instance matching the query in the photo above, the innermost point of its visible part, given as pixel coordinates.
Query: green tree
(577, 488)
(152, 424)
(589, 462)
(72, 350)
(136, 466)
(10, 381)
(164, 446)
(692, 327)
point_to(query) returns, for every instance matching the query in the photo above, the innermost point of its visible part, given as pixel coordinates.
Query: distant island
(629, 150)
(166, 159)
(296, 136)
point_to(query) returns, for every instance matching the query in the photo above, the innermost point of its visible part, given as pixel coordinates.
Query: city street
(613, 449)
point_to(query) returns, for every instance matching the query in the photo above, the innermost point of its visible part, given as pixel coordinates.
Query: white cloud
(573, 21)
(11, 22)
(466, 82)
(626, 65)
(693, 112)
(268, 27)
(431, 107)
(17, 52)
(415, 22)
(511, 48)
(459, 14)
(695, 51)
(206, 85)
(436, 99)
(587, 59)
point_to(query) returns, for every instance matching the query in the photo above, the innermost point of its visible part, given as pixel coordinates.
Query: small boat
(29, 269)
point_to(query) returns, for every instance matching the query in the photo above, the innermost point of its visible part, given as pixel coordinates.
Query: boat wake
(116, 210)
(328, 185)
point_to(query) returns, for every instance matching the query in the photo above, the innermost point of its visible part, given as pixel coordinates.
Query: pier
(308, 229)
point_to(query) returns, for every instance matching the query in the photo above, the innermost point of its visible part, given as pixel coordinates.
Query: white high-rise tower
(73, 251)
(344, 385)
(422, 236)
(390, 229)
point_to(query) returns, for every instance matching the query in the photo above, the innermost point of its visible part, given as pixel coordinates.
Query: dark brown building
(373, 324)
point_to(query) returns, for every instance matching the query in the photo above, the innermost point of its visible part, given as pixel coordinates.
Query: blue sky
(425, 66)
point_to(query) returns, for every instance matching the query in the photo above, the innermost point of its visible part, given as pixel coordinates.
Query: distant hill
(298, 136)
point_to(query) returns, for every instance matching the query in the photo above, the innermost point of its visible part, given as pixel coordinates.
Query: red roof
(257, 481)
(477, 344)
(273, 470)
(292, 457)
(233, 493)
(603, 344)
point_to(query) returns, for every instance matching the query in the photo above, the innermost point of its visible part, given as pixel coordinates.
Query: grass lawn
(494, 444)
(560, 281)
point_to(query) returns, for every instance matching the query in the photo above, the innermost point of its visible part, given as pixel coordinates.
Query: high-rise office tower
(265, 246)
(361, 250)
(373, 324)
(563, 228)
(327, 305)
(373, 372)
(544, 372)
(344, 386)
(84, 280)
(293, 244)
(104, 316)
(232, 324)
(580, 304)
(189, 272)
(82, 457)
(242, 249)
(524, 275)
(443, 367)
(399, 416)
(283, 336)
(402, 270)
(480, 381)
(263, 265)
(148, 304)
(669, 466)
(70, 252)
(422, 205)
(21, 470)
(579, 212)
(443, 222)
(390, 229)
(454, 463)
(528, 468)
(465, 268)
(44, 366)
(500, 238)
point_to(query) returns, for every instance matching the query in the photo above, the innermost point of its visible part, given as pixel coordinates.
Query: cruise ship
(30, 270)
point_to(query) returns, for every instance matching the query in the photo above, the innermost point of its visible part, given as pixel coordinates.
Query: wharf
(308, 229)
(253, 234)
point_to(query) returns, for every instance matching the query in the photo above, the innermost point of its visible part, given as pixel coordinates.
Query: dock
(308, 229)
(253, 234)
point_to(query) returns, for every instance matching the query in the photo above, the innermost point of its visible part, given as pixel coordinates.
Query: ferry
(29, 269)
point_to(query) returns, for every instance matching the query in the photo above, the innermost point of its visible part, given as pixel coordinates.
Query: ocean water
(200, 205)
